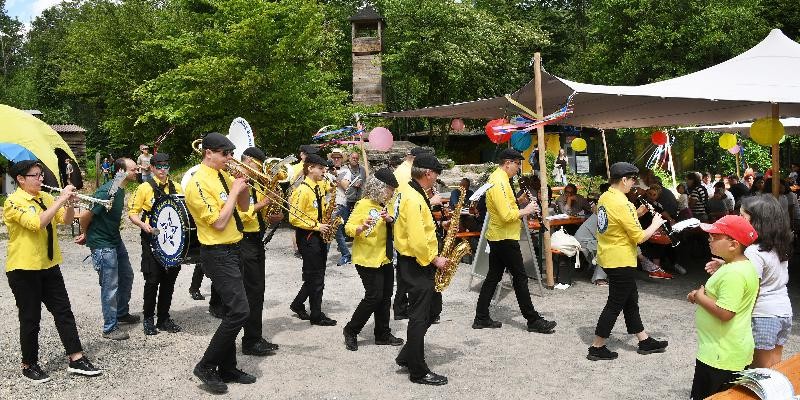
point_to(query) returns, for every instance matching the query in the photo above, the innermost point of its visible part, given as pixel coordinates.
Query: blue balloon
(520, 141)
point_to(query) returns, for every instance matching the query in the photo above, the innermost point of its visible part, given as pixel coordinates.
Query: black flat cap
(418, 151)
(620, 169)
(316, 159)
(386, 176)
(510, 154)
(159, 158)
(428, 161)
(22, 167)
(215, 141)
(309, 149)
(255, 152)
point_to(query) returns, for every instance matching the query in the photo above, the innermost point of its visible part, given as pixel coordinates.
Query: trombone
(260, 183)
(86, 201)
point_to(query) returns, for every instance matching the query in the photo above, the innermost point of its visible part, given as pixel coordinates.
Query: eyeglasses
(39, 175)
(716, 237)
(162, 166)
(224, 152)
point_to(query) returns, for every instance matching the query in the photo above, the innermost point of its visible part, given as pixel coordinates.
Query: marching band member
(212, 197)
(159, 281)
(372, 256)
(254, 262)
(32, 268)
(101, 229)
(309, 198)
(618, 234)
(417, 249)
(297, 179)
(503, 238)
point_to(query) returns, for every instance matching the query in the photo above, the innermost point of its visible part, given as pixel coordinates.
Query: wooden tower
(367, 29)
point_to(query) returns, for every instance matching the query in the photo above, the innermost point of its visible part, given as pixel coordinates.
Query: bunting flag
(526, 123)
(330, 137)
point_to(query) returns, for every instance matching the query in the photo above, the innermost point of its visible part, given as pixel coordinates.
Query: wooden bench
(789, 367)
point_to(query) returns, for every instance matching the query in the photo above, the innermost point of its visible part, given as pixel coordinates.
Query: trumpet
(86, 201)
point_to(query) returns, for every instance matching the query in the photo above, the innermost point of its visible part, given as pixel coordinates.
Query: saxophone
(328, 217)
(451, 250)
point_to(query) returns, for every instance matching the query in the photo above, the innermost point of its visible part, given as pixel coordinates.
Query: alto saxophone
(328, 215)
(451, 250)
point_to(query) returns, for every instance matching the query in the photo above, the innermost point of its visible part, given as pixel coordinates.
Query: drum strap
(236, 218)
(158, 192)
(262, 226)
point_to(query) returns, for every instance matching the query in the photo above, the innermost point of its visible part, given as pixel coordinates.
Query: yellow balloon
(766, 131)
(578, 144)
(727, 140)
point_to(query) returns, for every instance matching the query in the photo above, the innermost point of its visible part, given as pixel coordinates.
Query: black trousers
(32, 289)
(315, 254)
(159, 283)
(378, 284)
(400, 305)
(709, 380)
(221, 265)
(505, 254)
(622, 297)
(423, 306)
(253, 275)
(197, 277)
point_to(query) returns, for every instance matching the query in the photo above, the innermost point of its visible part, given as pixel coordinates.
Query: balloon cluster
(728, 142)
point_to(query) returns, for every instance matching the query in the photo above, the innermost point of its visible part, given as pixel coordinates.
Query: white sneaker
(561, 286)
(679, 269)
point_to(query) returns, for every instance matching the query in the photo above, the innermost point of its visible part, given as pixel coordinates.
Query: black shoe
(350, 342)
(388, 340)
(215, 312)
(210, 378)
(196, 295)
(541, 325)
(301, 312)
(323, 321)
(128, 319)
(269, 345)
(256, 349)
(148, 327)
(34, 373)
(650, 346)
(83, 366)
(401, 363)
(486, 323)
(400, 316)
(169, 325)
(237, 376)
(601, 353)
(436, 319)
(430, 379)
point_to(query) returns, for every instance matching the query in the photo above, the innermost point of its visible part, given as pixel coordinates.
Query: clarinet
(673, 236)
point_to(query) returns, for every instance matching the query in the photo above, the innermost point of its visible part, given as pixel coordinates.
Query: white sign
(582, 164)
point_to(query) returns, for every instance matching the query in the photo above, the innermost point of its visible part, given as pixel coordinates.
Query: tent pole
(776, 164)
(671, 164)
(737, 163)
(605, 151)
(543, 192)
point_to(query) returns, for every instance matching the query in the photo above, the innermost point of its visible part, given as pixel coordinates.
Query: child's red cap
(734, 226)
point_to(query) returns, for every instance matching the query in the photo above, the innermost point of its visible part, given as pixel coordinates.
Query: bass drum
(174, 240)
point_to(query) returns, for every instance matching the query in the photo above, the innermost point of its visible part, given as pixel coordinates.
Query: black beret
(159, 158)
(418, 151)
(215, 141)
(510, 154)
(22, 167)
(316, 159)
(620, 169)
(428, 161)
(386, 176)
(255, 152)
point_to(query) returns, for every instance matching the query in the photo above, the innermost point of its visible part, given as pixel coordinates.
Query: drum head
(171, 218)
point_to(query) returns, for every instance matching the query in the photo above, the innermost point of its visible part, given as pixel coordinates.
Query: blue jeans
(116, 280)
(341, 243)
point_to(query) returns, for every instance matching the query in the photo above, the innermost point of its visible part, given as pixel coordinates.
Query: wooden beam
(543, 192)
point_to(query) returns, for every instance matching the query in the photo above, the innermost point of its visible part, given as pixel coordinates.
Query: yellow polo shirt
(250, 217)
(403, 173)
(27, 242)
(205, 198)
(368, 251)
(414, 231)
(502, 208)
(304, 199)
(144, 197)
(618, 230)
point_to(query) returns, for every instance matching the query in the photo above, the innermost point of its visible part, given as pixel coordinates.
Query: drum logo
(602, 219)
(169, 226)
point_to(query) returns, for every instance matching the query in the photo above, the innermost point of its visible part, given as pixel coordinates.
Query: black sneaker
(169, 325)
(350, 341)
(210, 378)
(129, 319)
(601, 353)
(388, 340)
(149, 327)
(237, 376)
(34, 373)
(541, 325)
(270, 345)
(650, 346)
(196, 295)
(257, 349)
(486, 323)
(301, 312)
(323, 321)
(83, 366)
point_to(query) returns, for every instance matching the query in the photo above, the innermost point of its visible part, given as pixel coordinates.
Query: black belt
(251, 235)
(221, 246)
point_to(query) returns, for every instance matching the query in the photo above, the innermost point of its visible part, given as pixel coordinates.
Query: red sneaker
(660, 274)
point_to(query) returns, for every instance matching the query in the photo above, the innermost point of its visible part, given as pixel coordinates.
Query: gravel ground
(313, 363)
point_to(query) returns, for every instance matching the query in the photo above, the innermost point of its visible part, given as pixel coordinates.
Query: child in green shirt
(725, 304)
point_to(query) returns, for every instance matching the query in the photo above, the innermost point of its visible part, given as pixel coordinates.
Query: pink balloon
(380, 139)
(457, 125)
(734, 149)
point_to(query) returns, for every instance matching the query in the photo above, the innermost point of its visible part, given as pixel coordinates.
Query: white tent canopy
(791, 126)
(740, 89)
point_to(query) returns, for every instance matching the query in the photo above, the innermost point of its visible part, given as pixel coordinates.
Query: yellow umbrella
(21, 128)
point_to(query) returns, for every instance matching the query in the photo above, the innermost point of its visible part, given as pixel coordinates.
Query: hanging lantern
(766, 131)
(727, 140)
(457, 125)
(494, 136)
(735, 149)
(659, 138)
(520, 141)
(578, 144)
